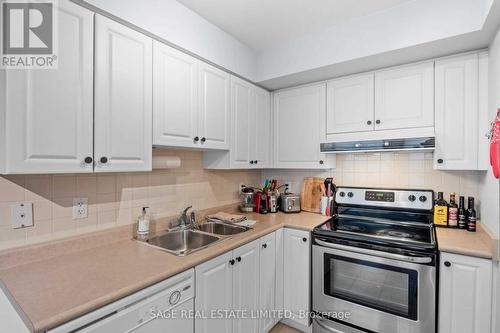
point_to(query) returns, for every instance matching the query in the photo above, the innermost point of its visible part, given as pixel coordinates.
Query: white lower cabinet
(267, 277)
(229, 282)
(246, 286)
(242, 281)
(214, 291)
(296, 275)
(465, 294)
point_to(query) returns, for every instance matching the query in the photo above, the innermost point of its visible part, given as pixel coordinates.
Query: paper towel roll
(166, 162)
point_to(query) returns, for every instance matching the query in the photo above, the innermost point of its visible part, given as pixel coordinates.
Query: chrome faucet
(183, 222)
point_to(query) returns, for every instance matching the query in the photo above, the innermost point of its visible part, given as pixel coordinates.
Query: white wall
(489, 186)
(407, 25)
(177, 24)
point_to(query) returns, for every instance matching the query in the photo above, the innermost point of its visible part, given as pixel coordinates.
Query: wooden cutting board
(310, 196)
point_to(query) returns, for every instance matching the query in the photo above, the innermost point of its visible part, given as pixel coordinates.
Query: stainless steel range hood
(413, 144)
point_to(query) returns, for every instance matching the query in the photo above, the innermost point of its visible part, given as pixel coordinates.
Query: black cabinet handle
(251, 162)
(447, 263)
(88, 160)
(104, 160)
(304, 239)
(264, 246)
(369, 122)
(256, 161)
(377, 121)
(232, 262)
(203, 139)
(239, 259)
(321, 162)
(196, 139)
(440, 161)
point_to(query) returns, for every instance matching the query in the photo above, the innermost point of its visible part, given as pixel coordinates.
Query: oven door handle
(326, 328)
(416, 260)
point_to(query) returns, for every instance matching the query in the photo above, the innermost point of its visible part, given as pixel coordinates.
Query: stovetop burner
(353, 228)
(391, 233)
(395, 233)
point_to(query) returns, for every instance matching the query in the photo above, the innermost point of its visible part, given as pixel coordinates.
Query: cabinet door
(457, 113)
(50, 112)
(123, 98)
(299, 127)
(246, 286)
(465, 294)
(175, 99)
(350, 104)
(214, 290)
(242, 126)
(404, 97)
(296, 265)
(280, 249)
(214, 107)
(267, 288)
(261, 145)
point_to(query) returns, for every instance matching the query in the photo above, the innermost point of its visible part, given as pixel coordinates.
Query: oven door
(382, 292)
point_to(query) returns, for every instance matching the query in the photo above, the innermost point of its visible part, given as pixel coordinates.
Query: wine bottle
(462, 214)
(452, 212)
(471, 215)
(440, 211)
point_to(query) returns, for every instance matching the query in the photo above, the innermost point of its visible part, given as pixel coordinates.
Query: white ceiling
(262, 23)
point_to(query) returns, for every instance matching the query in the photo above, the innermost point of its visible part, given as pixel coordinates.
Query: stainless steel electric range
(374, 263)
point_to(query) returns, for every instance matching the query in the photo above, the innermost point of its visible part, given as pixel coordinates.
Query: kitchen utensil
(273, 203)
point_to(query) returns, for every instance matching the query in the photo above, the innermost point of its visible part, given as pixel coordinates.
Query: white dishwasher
(166, 307)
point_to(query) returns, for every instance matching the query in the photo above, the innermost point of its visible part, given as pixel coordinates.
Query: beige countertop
(62, 287)
(477, 244)
(58, 289)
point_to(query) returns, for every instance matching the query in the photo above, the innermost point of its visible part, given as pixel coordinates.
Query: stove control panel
(406, 199)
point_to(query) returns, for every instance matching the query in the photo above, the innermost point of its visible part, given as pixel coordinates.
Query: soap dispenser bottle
(143, 225)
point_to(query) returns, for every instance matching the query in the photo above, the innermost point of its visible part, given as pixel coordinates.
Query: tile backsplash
(391, 169)
(117, 199)
(114, 199)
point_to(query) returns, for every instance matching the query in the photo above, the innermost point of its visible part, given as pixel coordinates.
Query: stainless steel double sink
(186, 241)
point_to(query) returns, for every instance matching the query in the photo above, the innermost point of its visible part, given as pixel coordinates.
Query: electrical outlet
(21, 215)
(80, 208)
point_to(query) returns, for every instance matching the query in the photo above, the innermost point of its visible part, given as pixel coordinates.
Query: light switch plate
(21, 215)
(80, 208)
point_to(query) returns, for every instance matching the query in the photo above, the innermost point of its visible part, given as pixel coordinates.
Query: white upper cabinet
(350, 104)
(299, 117)
(250, 130)
(215, 105)
(457, 113)
(175, 97)
(49, 113)
(465, 294)
(260, 146)
(243, 113)
(404, 97)
(123, 98)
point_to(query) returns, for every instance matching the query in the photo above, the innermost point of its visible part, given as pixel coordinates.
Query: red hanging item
(494, 139)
